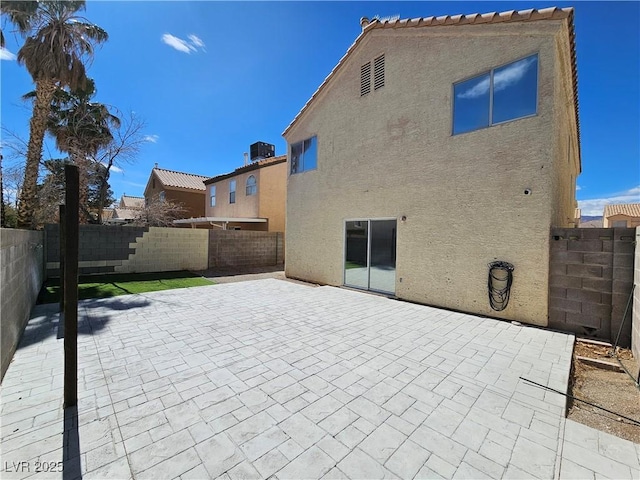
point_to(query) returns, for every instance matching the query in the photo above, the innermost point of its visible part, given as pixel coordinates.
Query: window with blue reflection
(304, 155)
(505, 93)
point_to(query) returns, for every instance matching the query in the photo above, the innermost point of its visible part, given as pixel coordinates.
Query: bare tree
(159, 213)
(123, 148)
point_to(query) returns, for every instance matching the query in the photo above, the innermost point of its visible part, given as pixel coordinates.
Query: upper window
(304, 155)
(232, 191)
(620, 224)
(161, 196)
(502, 94)
(212, 195)
(252, 187)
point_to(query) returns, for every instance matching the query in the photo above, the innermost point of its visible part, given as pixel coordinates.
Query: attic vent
(365, 79)
(378, 72)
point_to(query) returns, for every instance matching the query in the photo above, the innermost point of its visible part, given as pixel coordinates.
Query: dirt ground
(612, 389)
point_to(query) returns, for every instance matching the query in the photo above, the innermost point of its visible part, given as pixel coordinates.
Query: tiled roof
(127, 201)
(628, 209)
(171, 178)
(125, 213)
(531, 15)
(248, 168)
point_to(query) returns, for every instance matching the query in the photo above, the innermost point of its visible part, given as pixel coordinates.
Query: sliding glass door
(370, 255)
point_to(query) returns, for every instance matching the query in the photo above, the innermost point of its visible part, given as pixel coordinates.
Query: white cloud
(187, 46)
(196, 41)
(501, 80)
(113, 168)
(578, 187)
(6, 54)
(151, 138)
(595, 206)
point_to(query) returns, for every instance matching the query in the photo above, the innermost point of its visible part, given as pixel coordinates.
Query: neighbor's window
(232, 191)
(161, 196)
(304, 155)
(502, 94)
(252, 187)
(620, 224)
(212, 195)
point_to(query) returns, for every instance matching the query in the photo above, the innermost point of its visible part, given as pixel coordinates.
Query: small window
(212, 195)
(232, 191)
(161, 196)
(500, 95)
(252, 187)
(304, 155)
(378, 72)
(365, 79)
(620, 224)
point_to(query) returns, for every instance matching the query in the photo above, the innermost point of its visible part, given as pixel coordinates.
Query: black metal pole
(63, 245)
(72, 189)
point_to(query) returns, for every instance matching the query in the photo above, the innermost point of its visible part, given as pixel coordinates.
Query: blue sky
(210, 78)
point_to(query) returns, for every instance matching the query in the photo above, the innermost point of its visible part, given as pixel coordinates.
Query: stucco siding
(272, 196)
(391, 154)
(246, 206)
(192, 202)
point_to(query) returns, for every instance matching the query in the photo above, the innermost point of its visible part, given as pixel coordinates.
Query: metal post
(72, 189)
(63, 242)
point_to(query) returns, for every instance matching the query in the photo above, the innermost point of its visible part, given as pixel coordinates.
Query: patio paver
(270, 378)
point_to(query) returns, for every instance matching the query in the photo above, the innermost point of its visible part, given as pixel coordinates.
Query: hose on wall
(499, 284)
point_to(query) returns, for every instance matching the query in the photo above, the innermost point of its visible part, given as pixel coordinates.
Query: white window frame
(212, 195)
(253, 188)
(232, 191)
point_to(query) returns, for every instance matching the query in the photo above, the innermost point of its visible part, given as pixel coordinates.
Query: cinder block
(584, 271)
(566, 305)
(600, 258)
(564, 281)
(584, 296)
(585, 246)
(566, 257)
(586, 320)
(621, 287)
(596, 309)
(557, 318)
(597, 284)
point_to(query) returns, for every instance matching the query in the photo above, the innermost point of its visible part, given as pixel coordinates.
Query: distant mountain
(590, 221)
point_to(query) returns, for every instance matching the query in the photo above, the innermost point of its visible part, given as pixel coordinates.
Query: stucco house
(252, 197)
(626, 215)
(433, 148)
(125, 211)
(186, 189)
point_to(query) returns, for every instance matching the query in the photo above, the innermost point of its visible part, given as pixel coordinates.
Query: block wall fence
(22, 262)
(591, 274)
(635, 329)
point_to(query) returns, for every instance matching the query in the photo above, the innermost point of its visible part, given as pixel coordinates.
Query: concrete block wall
(635, 328)
(22, 267)
(167, 249)
(101, 248)
(591, 275)
(237, 248)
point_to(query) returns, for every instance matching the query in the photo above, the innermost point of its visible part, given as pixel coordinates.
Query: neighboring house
(625, 215)
(186, 189)
(434, 147)
(125, 211)
(251, 197)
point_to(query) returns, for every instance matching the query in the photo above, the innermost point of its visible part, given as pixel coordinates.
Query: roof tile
(171, 178)
(628, 209)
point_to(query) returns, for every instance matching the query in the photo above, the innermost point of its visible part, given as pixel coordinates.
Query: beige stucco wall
(269, 202)
(635, 325)
(391, 154)
(163, 249)
(632, 222)
(272, 191)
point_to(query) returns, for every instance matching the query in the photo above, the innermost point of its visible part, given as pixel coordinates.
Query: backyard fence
(591, 277)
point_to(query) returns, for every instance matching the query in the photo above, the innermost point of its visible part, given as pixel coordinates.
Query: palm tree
(20, 13)
(56, 45)
(80, 128)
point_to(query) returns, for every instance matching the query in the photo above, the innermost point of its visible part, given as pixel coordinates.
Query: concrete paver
(269, 378)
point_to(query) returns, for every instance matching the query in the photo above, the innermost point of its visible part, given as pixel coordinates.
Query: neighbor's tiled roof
(628, 209)
(125, 213)
(127, 201)
(170, 178)
(531, 15)
(248, 168)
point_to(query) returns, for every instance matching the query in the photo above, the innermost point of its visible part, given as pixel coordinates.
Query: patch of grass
(348, 265)
(112, 285)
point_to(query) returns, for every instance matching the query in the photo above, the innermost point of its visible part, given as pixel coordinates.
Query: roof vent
(261, 150)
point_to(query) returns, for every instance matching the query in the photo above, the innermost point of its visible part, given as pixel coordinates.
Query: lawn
(104, 286)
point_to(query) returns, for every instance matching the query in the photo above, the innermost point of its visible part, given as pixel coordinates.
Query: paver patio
(274, 379)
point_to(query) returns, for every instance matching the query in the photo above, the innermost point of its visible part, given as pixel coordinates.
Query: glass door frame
(344, 253)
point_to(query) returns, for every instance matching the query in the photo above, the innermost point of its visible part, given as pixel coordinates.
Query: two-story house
(433, 148)
(251, 197)
(625, 215)
(182, 188)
